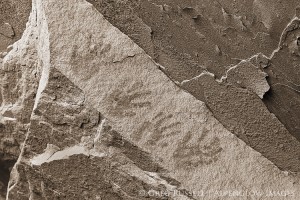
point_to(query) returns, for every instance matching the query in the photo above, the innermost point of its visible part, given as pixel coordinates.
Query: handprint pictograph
(125, 103)
(163, 126)
(202, 152)
(160, 126)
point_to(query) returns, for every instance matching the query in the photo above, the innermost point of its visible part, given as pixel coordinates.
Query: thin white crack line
(18, 161)
(99, 130)
(281, 37)
(248, 59)
(256, 35)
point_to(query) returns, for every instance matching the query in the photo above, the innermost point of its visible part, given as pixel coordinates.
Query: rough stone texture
(190, 37)
(283, 98)
(247, 75)
(244, 114)
(88, 112)
(7, 30)
(13, 17)
(19, 78)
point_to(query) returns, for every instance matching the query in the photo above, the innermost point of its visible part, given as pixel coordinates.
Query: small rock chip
(9, 48)
(218, 50)
(7, 30)
(188, 8)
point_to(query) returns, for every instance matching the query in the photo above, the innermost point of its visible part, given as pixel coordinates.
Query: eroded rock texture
(150, 100)
(13, 17)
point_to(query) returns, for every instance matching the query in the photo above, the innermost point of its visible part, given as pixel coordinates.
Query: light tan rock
(246, 75)
(7, 30)
(119, 80)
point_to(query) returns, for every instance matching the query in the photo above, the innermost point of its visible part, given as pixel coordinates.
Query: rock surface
(113, 100)
(13, 18)
(190, 37)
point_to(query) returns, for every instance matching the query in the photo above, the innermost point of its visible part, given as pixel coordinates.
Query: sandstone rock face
(13, 18)
(144, 100)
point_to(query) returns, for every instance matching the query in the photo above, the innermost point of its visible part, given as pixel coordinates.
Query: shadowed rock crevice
(5, 169)
(284, 71)
(19, 78)
(283, 101)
